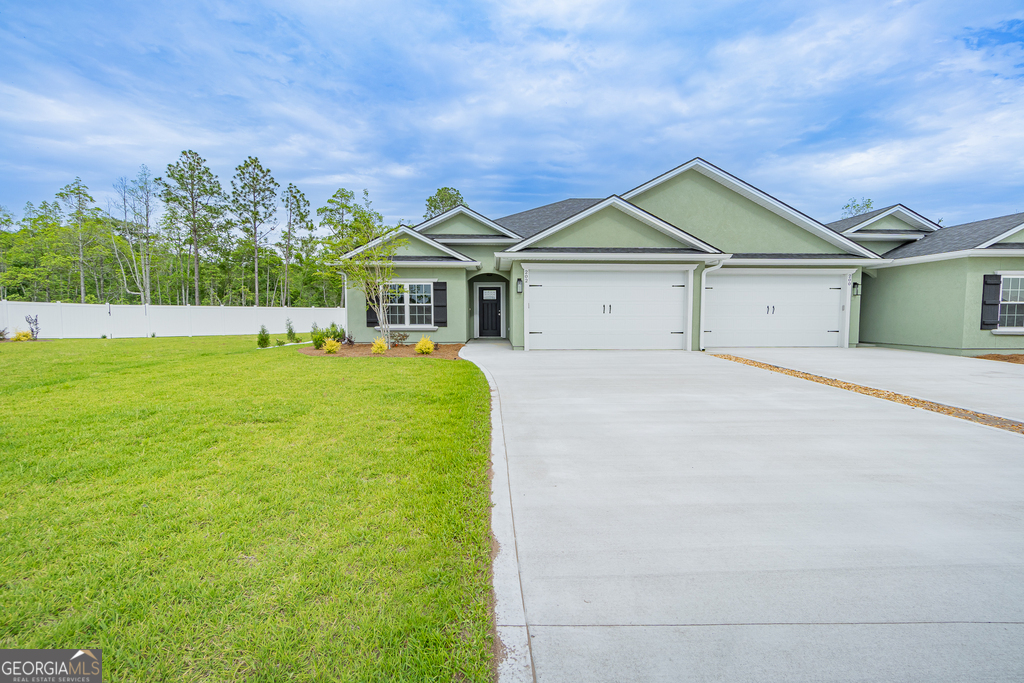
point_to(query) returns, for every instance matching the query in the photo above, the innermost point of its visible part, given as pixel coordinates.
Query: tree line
(184, 238)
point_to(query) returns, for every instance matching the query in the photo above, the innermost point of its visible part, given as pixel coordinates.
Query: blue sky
(519, 103)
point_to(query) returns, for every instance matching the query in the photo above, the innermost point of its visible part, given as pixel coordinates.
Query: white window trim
(1005, 274)
(501, 308)
(405, 282)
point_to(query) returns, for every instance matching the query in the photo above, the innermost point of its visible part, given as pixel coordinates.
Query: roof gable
(614, 223)
(976, 235)
(416, 245)
(723, 210)
(462, 220)
(897, 216)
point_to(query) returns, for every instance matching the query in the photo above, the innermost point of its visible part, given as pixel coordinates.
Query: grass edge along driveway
(202, 510)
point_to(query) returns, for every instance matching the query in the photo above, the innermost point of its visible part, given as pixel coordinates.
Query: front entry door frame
(501, 308)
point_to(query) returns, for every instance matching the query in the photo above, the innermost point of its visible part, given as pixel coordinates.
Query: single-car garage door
(774, 309)
(607, 309)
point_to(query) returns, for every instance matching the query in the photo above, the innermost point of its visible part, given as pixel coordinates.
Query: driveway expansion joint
(952, 411)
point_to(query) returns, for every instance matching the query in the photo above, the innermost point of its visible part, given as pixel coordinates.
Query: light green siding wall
(455, 332)
(933, 307)
(890, 223)
(610, 228)
(976, 340)
(727, 220)
(1015, 237)
(461, 225)
(415, 247)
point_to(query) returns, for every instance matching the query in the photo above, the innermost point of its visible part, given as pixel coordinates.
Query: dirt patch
(442, 351)
(952, 411)
(1005, 357)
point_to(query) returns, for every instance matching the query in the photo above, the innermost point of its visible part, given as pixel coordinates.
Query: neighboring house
(693, 259)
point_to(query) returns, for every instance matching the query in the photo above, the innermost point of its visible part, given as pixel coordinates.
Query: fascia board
(1000, 238)
(468, 265)
(761, 198)
(630, 210)
(797, 262)
(924, 223)
(948, 256)
(486, 240)
(501, 257)
(411, 233)
(900, 236)
(451, 213)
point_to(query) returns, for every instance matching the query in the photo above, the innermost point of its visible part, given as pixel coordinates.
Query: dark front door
(488, 308)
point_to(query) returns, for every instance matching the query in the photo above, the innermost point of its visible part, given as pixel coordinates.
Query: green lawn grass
(204, 511)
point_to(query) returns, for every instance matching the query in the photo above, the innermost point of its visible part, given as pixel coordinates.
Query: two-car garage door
(579, 308)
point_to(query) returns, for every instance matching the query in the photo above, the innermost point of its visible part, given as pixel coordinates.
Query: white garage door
(776, 309)
(607, 309)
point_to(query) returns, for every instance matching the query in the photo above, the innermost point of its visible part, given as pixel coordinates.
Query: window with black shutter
(990, 302)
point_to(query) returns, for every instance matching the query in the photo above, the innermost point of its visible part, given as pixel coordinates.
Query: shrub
(379, 346)
(153, 335)
(424, 345)
(331, 345)
(298, 340)
(33, 325)
(399, 338)
(22, 335)
(280, 342)
(289, 329)
(263, 338)
(103, 336)
(3, 334)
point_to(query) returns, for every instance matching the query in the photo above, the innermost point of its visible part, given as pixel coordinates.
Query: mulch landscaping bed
(952, 411)
(1005, 357)
(442, 351)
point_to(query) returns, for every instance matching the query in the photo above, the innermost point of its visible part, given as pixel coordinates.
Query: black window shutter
(371, 315)
(441, 304)
(990, 302)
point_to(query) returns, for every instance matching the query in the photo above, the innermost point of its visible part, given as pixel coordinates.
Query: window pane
(420, 315)
(1011, 315)
(419, 294)
(1013, 289)
(396, 314)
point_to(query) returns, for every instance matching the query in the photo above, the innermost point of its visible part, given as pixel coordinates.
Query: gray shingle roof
(529, 223)
(447, 236)
(847, 223)
(958, 237)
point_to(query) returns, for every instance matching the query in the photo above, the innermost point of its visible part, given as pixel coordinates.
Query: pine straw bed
(441, 351)
(1006, 358)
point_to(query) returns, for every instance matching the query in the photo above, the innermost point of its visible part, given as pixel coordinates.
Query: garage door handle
(602, 308)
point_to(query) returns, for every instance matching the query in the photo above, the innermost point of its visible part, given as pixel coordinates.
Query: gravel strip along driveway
(963, 414)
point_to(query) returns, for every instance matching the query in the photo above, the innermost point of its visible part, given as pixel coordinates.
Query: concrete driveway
(669, 516)
(985, 386)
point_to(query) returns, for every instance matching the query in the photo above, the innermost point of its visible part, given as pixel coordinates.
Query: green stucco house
(697, 258)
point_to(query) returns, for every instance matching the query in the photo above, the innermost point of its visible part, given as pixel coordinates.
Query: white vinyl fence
(92, 321)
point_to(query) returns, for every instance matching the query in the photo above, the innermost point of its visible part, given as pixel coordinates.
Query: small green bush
(263, 338)
(317, 336)
(289, 329)
(280, 342)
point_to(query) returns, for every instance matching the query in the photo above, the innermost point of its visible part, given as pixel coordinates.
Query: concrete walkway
(985, 386)
(669, 516)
